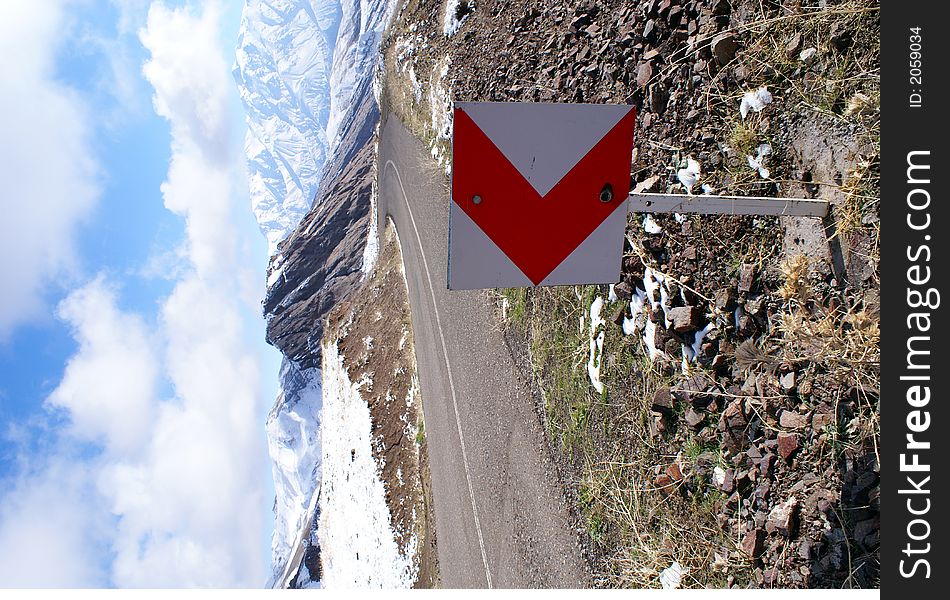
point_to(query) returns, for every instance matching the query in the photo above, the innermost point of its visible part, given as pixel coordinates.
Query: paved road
(500, 516)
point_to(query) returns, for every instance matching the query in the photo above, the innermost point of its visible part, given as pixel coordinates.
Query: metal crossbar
(727, 205)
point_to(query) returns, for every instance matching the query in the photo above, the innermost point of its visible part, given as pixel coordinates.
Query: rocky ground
(753, 462)
(374, 332)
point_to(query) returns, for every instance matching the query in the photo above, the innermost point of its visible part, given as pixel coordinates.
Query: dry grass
(844, 340)
(860, 208)
(636, 529)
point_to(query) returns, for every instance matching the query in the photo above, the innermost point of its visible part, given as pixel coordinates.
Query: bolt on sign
(539, 193)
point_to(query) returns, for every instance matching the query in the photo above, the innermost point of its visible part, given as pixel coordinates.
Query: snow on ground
(371, 250)
(304, 581)
(754, 101)
(651, 226)
(689, 174)
(596, 344)
(654, 283)
(757, 162)
(275, 269)
(358, 545)
(454, 9)
(440, 106)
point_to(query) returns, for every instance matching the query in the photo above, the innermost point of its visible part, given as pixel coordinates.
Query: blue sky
(134, 380)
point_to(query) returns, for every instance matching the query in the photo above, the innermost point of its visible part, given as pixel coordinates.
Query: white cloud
(193, 505)
(109, 384)
(49, 178)
(51, 531)
(182, 469)
(193, 91)
(190, 77)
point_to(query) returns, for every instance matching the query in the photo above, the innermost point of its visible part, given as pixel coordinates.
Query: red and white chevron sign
(539, 193)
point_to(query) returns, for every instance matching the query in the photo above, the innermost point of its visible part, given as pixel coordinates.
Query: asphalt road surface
(500, 516)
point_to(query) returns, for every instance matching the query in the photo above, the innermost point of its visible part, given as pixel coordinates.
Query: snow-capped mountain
(297, 64)
(294, 444)
(282, 69)
(361, 30)
(303, 68)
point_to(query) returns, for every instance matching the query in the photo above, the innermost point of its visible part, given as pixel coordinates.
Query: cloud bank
(50, 180)
(162, 463)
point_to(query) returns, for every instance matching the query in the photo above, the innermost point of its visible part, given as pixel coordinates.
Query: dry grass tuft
(795, 271)
(844, 342)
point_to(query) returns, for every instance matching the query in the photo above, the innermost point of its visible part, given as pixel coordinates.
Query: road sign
(539, 193)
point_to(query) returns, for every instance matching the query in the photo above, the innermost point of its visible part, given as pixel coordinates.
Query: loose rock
(787, 444)
(783, 518)
(663, 401)
(684, 318)
(753, 542)
(644, 73)
(694, 419)
(746, 277)
(724, 48)
(792, 420)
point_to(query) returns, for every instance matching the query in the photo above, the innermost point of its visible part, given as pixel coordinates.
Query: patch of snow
(633, 323)
(651, 226)
(596, 344)
(303, 579)
(440, 106)
(611, 293)
(358, 545)
(274, 276)
(719, 476)
(754, 101)
(371, 250)
(758, 161)
(451, 23)
(665, 304)
(689, 175)
(649, 338)
(700, 336)
(404, 338)
(672, 576)
(653, 282)
(681, 218)
(416, 85)
(708, 189)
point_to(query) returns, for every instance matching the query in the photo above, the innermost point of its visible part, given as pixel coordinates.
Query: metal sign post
(727, 205)
(540, 195)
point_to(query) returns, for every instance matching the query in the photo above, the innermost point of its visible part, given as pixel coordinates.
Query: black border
(904, 129)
